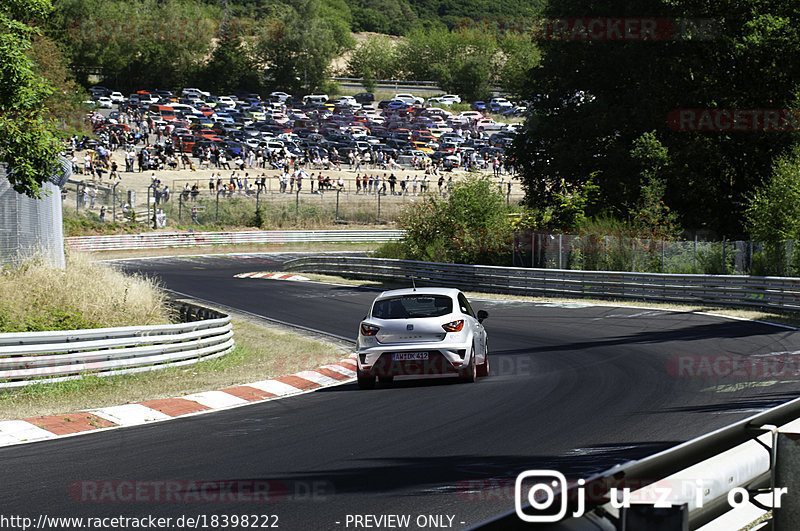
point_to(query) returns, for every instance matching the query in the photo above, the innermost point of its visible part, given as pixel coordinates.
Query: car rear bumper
(377, 362)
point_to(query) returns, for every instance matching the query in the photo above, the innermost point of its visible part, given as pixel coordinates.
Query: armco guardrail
(757, 292)
(34, 357)
(154, 240)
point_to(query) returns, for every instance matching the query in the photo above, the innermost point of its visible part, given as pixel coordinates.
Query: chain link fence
(30, 226)
(594, 252)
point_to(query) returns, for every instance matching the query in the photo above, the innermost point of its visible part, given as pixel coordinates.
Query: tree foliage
(138, 43)
(593, 99)
(375, 57)
(773, 208)
(28, 142)
(299, 47)
(461, 62)
(469, 226)
(390, 17)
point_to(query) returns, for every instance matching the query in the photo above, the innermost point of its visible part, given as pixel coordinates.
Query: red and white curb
(274, 276)
(53, 426)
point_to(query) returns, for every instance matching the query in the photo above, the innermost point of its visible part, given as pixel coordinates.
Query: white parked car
(195, 92)
(420, 332)
(454, 98)
(280, 96)
(470, 115)
(349, 101)
(315, 99)
(117, 97)
(435, 102)
(226, 101)
(409, 98)
(104, 102)
(487, 124)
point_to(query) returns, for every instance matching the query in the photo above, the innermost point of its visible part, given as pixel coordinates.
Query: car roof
(450, 292)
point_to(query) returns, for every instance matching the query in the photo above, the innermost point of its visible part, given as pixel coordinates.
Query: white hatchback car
(419, 332)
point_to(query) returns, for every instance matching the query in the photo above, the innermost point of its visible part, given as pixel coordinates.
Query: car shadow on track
(472, 477)
(398, 384)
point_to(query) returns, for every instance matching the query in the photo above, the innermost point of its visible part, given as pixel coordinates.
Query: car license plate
(409, 356)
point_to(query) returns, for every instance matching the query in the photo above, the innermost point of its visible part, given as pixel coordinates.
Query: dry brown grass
(87, 294)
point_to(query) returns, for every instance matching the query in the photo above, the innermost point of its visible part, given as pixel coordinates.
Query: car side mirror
(482, 314)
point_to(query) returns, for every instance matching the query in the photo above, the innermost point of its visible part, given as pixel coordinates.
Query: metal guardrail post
(148, 207)
(787, 463)
(646, 516)
(114, 201)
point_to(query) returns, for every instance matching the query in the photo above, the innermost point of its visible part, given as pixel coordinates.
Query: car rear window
(412, 306)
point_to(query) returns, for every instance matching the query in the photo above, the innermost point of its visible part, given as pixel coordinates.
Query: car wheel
(483, 368)
(365, 381)
(470, 372)
(386, 379)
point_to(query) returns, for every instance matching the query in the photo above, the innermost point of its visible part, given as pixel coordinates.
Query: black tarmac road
(575, 388)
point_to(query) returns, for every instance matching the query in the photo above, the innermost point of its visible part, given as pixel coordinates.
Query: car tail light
(368, 329)
(454, 326)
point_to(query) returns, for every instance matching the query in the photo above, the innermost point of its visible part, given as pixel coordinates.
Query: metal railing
(35, 357)
(154, 240)
(756, 292)
(693, 478)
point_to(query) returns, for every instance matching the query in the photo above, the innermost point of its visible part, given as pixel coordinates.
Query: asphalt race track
(574, 388)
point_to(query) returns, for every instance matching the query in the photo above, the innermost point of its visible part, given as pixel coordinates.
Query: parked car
(419, 332)
(497, 105)
(364, 97)
(409, 98)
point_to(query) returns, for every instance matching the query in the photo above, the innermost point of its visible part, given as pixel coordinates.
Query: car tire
(483, 368)
(386, 379)
(365, 381)
(470, 372)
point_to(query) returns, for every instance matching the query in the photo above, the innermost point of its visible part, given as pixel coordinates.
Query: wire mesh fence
(30, 226)
(598, 252)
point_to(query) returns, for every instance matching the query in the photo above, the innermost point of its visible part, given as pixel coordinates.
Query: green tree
(375, 56)
(461, 62)
(28, 142)
(383, 16)
(299, 47)
(232, 65)
(65, 103)
(469, 226)
(593, 99)
(773, 209)
(520, 56)
(652, 217)
(137, 44)
(773, 216)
